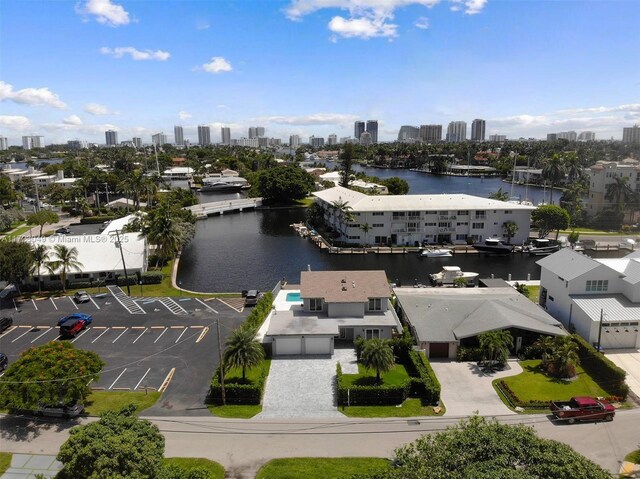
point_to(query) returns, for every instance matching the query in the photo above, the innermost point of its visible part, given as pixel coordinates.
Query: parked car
(252, 297)
(64, 411)
(582, 408)
(5, 323)
(4, 361)
(63, 231)
(70, 329)
(87, 318)
(81, 297)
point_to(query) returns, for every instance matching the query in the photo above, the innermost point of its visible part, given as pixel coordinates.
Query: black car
(63, 231)
(5, 323)
(3, 361)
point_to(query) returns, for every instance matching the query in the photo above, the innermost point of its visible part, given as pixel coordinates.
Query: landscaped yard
(189, 463)
(237, 411)
(633, 457)
(534, 293)
(321, 467)
(102, 401)
(367, 377)
(5, 461)
(409, 408)
(234, 376)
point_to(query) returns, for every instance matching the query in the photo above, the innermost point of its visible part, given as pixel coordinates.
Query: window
(355, 214)
(398, 214)
(371, 334)
(508, 212)
(463, 212)
(102, 274)
(560, 278)
(378, 225)
(444, 213)
(477, 226)
(481, 215)
(551, 298)
(375, 304)
(429, 224)
(444, 224)
(461, 237)
(378, 213)
(315, 304)
(354, 237)
(353, 225)
(597, 285)
(463, 223)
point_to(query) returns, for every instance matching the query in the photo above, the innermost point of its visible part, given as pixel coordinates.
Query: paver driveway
(629, 360)
(467, 389)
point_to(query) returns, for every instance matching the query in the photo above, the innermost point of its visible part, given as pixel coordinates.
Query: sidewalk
(26, 466)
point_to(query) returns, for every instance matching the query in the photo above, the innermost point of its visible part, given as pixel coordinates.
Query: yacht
(493, 246)
(543, 247)
(450, 273)
(436, 253)
(223, 184)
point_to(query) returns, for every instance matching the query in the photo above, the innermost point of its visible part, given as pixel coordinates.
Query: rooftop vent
(344, 288)
(353, 284)
(343, 281)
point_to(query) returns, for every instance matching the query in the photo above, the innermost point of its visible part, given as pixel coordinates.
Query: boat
(543, 247)
(450, 274)
(223, 184)
(436, 253)
(493, 246)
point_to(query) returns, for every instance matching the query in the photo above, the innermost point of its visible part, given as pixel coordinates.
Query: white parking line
(28, 331)
(165, 330)
(206, 306)
(114, 382)
(34, 304)
(73, 302)
(54, 303)
(184, 331)
(15, 305)
(145, 375)
(100, 335)
(125, 330)
(80, 335)
(94, 303)
(8, 331)
(48, 329)
(145, 330)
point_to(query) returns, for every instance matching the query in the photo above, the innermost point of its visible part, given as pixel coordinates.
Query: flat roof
(296, 322)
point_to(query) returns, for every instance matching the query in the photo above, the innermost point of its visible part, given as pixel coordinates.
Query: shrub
(382, 395)
(609, 376)
(402, 345)
(238, 393)
(426, 385)
(469, 354)
(260, 311)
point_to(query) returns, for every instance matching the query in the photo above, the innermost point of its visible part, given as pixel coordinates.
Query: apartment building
(604, 173)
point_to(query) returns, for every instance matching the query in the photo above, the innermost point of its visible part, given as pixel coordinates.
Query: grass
(409, 408)
(17, 232)
(5, 461)
(321, 467)
(631, 457)
(591, 231)
(367, 377)
(189, 463)
(102, 401)
(236, 411)
(234, 375)
(534, 293)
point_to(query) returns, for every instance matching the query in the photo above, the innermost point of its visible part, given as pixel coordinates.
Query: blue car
(87, 318)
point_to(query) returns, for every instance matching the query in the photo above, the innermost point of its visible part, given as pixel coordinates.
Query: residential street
(244, 445)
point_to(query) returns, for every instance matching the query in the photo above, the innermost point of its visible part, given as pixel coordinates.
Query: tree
(365, 229)
(65, 260)
(377, 354)
(54, 373)
(619, 192)
(522, 289)
(16, 261)
(243, 350)
(282, 184)
(495, 346)
(396, 186)
(346, 168)
(118, 446)
(499, 195)
(479, 448)
(40, 258)
(573, 238)
(548, 218)
(169, 228)
(553, 170)
(546, 345)
(42, 217)
(341, 213)
(510, 228)
(565, 357)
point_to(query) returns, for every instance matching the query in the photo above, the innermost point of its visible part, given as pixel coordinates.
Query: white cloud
(217, 65)
(422, 23)
(222, 107)
(14, 122)
(362, 27)
(31, 96)
(184, 115)
(79, 128)
(631, 107)
(97, 109)
(105, 11)
(136, 54)
(313, 119)
(72, 120)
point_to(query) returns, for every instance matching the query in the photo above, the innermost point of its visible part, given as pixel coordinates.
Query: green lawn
(5, 461)
(534, 385)
(409, 408)
(19, 231)
(189, 463)
(591, 231)
(234, 375)
(102, 401)
(534, 293)
(237, 411)
(631, 457)
(366, 377)
(321, 467)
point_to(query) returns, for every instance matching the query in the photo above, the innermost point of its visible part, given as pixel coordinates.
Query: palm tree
(547, 345)
(243, 350)
(496, 345)
(510, 228)
(67, 260)
(619, 192)
(565, 356)
(553, 170)
(573, 166)
(40, 258)
(365, 229)
(377, 354)
(341, 213)
(499, 195)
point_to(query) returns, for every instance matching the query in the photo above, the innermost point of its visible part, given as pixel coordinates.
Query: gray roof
(616, 307)
(568, 264)
(296, 322)
(344, 286)
(449, 314)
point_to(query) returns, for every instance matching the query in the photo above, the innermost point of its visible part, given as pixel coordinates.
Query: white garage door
(288, 346)
(620, 339)
(317, 345)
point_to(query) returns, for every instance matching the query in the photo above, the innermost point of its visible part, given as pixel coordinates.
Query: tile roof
(344, 286)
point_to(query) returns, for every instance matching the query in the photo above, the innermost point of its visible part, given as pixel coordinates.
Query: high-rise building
(137, 142)
(275, 142)
(249, 142)
(552, 136)
(77, 144)
(159, 139)
(457, 131)
(225, 135)
(111, 137)
(260, 131)
(358, 129)
(430, 133)
(587, 136)
(178, 135)
(256, 131)
(631, 134)
(408, 133)
(4, 143)
(204, 135)
(263, 141)
(366, 139)
(316, 141)
(498, 138)
(294, 141)
(568, 135)
(477, 129)
(29, 142)
(372, 129)
(332, 139)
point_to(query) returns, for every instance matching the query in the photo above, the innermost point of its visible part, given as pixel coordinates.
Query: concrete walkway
(24, 466)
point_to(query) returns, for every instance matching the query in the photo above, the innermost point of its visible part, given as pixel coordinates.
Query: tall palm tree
(496, 345)
(377, 354)
(66, 259)
(553, 170)
(365, 229)
(341, 213)
(619, 192)
(573, 166)
(164, 231)
(243, 350)
(510, 228)
(40, 259)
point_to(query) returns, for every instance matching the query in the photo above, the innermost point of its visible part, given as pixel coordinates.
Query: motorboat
(223, 184)
(436, 253)
(543, 247)
(450, 274)
(493, 246)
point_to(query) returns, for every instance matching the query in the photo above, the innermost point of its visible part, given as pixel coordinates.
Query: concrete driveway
(629, 360)
(467, 389)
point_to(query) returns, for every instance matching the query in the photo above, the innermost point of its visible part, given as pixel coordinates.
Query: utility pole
(124, 266)
(224, 400)
(600, 328)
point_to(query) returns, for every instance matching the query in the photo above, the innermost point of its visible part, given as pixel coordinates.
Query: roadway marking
(54, 303)
(157, 327)
(232, 307)
(196, 327)
(142, 379)
(145, 330)
(81, 334)
(184, 331)
(177, 327)
(118, 327)
(167, 380)
(102, 327)
(165, 330)
(73, 302)
(8, 331)
(114, 382)
(94, 303)
(23, 326)
(48, 329)
(34, 304)
(206, 306)
(27, 332)
(125, 330)
(15, 305)
(100, 335)
(202, 335)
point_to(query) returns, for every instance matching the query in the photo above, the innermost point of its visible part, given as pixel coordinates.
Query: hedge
(237, 393)
(426, 385)
(383, 395)
(260, 311)
(608, 376)
(515, 401)
(469, 354)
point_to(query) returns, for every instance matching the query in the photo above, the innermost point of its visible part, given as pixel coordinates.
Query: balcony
(445, 218)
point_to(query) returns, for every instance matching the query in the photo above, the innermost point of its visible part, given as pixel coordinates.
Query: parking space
(134, 377)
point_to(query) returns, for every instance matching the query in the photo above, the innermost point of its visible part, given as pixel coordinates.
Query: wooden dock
(204, 210)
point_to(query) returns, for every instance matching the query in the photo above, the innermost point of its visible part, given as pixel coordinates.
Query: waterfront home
(410, 220)
(597, 298)
(335, 178)
(331, 305)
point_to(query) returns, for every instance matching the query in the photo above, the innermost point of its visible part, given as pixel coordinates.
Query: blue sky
(72, 69)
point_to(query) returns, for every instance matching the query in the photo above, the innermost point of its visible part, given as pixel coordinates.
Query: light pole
(180, 287)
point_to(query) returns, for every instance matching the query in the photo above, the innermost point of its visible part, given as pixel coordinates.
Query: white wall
(345, 310)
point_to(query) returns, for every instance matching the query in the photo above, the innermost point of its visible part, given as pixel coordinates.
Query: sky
(73, 69)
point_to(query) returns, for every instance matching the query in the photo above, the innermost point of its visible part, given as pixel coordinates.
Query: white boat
(224, 184)
(451, 273)
(436, 253)
(543, 247)
(493, 246)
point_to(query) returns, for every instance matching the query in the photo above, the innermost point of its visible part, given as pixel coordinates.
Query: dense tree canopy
(42, 217)
(282, 184)
(548, 218)
(16, 260)
(396, 186)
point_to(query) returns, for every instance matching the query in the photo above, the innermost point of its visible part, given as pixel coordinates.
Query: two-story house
(334, 305)
(597, 298)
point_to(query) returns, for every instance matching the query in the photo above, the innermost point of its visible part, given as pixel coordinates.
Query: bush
(382, 395)
(469, 354)
(96, 220)
(532, 352)
(249, 393)
(402, 345)
(426, 385)
(260, 311)
(609, 376)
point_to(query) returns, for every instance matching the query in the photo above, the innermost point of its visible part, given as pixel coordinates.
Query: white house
(581, 291)
(332, 305)
(413, 219)
(335, 178)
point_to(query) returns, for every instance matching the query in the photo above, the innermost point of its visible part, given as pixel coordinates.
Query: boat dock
(204, 210)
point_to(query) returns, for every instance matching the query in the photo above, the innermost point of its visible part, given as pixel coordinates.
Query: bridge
(221, 207)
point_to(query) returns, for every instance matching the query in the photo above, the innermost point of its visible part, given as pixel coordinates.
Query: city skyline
(460, 59)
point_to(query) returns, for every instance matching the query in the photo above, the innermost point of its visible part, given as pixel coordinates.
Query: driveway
(467, 389)
(629, 360)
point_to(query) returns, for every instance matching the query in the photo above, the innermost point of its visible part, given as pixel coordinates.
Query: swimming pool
(293, 298)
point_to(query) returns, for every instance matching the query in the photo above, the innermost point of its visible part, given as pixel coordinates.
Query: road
(242, 446)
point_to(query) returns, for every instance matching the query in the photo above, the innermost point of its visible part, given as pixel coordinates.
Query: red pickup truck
(582, 408)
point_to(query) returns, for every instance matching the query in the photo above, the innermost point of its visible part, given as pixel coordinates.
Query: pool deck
(280, 303)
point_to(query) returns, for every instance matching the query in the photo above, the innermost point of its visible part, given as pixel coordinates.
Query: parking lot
(165, 344)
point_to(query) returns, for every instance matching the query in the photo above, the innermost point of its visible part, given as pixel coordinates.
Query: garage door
(438, 350)
(317, 345)
(619, 337)
(288, 346)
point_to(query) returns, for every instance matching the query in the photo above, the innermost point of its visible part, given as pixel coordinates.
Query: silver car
(64, 411)
(81, 297)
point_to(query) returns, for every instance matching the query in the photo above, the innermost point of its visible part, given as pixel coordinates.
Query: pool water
(293, 298)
